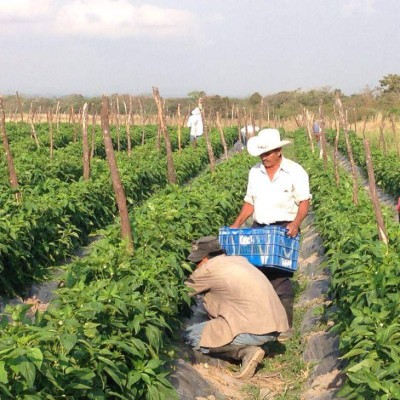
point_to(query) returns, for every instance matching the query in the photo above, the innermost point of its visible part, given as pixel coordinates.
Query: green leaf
(36, 356)
(68, 341)
(28, 371)
(3, 373)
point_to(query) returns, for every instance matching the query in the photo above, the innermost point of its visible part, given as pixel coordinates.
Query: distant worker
(195, 123)
(247, 132)
(243, 310)
(317, 131)
(317, 136)
(398, 208)
(278, 193)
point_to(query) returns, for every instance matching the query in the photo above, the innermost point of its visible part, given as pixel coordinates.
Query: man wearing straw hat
(278, 193)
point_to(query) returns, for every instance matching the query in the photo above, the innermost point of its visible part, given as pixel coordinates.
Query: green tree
(255, 99)
(390, 83)
(196, 94)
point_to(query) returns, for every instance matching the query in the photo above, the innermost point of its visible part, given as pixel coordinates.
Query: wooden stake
(33, 131)
(93, 146)
(179, 128)
(382, 141)
(50, 118)
(58, 117)
(335, 149)
(221, 135)
(239, 124)
(208, 141)
(85, 143)
(141, 118)
(374, 197)
(322, 136)
(126, 231)
(10, 163)
(118, 126)
(308, 117)
(396, 141)
(349, 149)
(163, 128)
(20, 107)
(261, 122)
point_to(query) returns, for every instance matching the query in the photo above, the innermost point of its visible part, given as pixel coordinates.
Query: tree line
(285, 104)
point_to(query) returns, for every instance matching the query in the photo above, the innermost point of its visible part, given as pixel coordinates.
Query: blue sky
(230, 47)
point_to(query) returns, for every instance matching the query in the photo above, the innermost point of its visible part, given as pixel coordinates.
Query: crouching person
(243, 309)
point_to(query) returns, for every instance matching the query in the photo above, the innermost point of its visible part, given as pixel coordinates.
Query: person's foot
(284, 336)
(250, 356)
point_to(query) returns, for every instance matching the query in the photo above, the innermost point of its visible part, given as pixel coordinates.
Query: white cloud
(23, 10)
(359, 6)
(120, 18)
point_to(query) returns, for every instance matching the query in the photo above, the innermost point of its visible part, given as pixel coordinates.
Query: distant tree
(390, 83)
(255, 99)
(278, 99)
(196, 94)
(216, 103)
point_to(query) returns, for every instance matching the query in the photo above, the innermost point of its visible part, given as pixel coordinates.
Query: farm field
(110, 330)
(135, 134)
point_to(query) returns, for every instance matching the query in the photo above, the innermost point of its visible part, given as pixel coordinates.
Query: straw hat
(266, 140)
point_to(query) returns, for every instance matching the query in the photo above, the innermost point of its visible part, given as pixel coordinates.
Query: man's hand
(292, 229)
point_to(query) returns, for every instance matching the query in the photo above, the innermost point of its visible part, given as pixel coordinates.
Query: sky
(222, 47)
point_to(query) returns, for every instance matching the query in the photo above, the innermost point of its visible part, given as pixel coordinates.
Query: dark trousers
(281, 281)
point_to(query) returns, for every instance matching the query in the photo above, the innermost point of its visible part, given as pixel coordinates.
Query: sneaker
(251, 356)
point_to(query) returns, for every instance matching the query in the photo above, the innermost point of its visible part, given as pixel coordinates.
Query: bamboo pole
(126, 231)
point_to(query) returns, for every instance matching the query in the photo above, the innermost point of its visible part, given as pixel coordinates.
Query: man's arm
(245, 212)
(198, 281)
(293, 227)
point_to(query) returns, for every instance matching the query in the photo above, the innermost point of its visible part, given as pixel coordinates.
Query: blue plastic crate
(263, 247)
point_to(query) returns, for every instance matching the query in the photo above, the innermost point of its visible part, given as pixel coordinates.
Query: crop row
(364, 284)
(106, 334)
(20, 135)
(33, 165)
(46, 227)
(386, 166)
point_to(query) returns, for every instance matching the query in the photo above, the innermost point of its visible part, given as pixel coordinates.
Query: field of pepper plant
(365, 272)
(107, 334)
